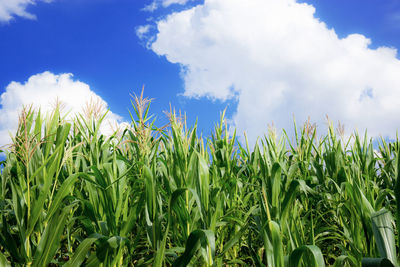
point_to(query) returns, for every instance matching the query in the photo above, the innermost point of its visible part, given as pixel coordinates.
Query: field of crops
(166, 196)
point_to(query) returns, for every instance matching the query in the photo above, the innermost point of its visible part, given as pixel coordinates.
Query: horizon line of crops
(149, 196)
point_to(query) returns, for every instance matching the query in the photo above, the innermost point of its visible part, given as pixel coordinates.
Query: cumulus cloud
(43, 91)
(277, 60)
(12, 8)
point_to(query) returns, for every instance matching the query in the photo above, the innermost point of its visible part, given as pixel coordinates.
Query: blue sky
(189, 57)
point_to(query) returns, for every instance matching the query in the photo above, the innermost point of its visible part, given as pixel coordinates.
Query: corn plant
(151, 195)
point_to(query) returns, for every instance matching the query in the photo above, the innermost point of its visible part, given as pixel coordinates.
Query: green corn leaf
(376, 262)
(310, 254)
(342, 260)
(8, 241)
(382, 226)
(197, 239)
(65, 188)
(235, 239)
(82, 250)
(290, 196)
(276, 184)
(3, 261)
(273, 245)
(50, 241)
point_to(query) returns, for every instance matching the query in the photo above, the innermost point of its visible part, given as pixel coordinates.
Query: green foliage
(165, 196)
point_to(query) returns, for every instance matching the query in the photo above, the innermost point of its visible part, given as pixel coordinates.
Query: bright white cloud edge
(278, 61)
(42, 91)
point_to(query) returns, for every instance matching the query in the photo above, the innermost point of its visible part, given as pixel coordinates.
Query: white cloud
(167, 3)
(164, 3)
(151, 7)
(42, 91)
(142, 31)
(277, 60)
(12, 8)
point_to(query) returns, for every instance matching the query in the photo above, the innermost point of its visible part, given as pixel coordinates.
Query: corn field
(166, 196)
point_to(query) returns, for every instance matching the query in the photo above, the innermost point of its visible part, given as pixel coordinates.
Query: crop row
(164, 196)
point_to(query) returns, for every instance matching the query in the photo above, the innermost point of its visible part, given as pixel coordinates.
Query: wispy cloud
(151, 7)
(163, 3)
(10, 9)
(142, 31)
(167, 3)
